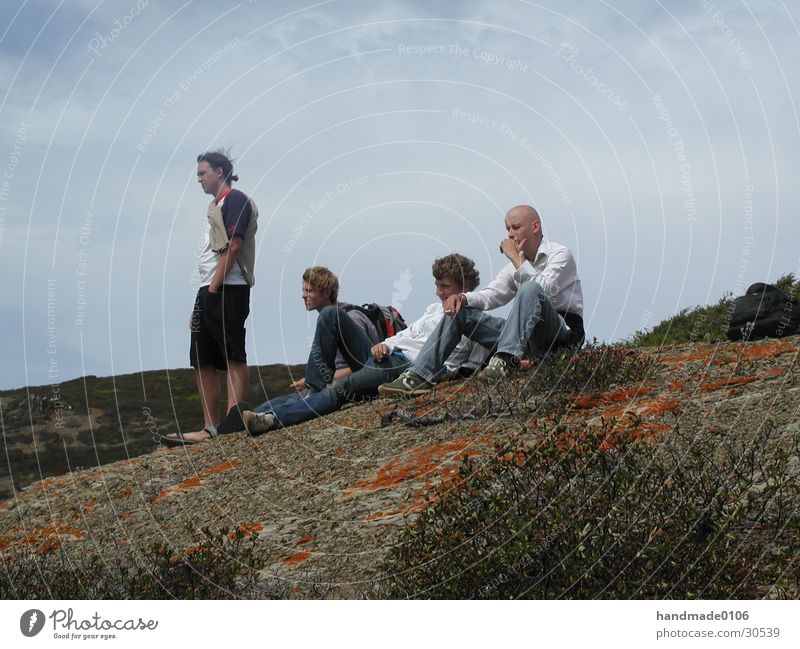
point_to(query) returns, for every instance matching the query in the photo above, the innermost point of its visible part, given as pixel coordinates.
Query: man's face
(210, 179)
(314, 299)
(522, 228)
(446, 287)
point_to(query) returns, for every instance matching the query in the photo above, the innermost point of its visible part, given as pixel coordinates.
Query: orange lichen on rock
(659, 406)
(43, 539)
(676, 386)
(127, 491)
(195, 480)
(729, 382)
(615, 396)
(248, 529)
(304, 539)
(424, 461)
(768, 349)
(189, 483)
(697, 356)
(225, 466)
(775, 371)
(297, 557)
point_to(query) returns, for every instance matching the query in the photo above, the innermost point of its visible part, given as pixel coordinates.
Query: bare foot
(194, 437)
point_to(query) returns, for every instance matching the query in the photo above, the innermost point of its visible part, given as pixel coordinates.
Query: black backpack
(387, 319)
(764, 311)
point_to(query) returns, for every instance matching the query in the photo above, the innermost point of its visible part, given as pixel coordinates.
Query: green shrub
(220, 566)
(700, 323)
(583, 514)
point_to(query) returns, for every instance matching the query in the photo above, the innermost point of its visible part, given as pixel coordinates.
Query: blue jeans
(532, 327)
(361, 383)
(335, 331)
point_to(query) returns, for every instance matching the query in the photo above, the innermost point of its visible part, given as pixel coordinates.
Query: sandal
(180, 440)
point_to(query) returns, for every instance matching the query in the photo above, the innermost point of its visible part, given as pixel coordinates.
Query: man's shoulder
(552, 247)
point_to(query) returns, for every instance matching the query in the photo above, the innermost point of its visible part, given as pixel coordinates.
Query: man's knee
(531, 290)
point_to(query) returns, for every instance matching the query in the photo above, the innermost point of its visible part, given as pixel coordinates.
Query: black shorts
(218, 326)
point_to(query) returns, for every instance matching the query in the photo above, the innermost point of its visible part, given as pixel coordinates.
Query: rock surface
(329, 497)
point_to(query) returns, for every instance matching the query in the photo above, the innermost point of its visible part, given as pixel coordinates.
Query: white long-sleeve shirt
(553, 268)
(411, 340)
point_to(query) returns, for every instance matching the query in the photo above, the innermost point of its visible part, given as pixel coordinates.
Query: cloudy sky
(658, 140)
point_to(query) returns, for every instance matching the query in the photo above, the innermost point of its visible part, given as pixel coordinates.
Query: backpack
(387, 319)
(764, 311)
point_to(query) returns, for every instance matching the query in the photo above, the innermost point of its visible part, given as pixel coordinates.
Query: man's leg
(237, 380)
(335, 331)
(208, 389)
(533, 324)
(279, 401)
(363, 382)
(476, 325)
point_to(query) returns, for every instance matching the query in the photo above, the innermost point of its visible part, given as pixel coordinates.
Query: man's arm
(227, 258)
(559, 271)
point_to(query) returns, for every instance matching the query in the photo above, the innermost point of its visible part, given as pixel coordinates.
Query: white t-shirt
(207, 265)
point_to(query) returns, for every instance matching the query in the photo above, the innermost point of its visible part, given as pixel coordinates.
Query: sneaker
(497, 369)
(258, 422)
(408, 384)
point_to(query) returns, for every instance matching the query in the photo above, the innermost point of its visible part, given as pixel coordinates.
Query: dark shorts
(218, 326)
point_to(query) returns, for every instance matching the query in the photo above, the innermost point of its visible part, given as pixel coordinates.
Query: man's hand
(453, 304)
(298, 385)
(511, 249)
(380, 352)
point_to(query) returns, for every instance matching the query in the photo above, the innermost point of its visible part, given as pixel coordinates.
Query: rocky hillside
(87, 422)
(328, 498)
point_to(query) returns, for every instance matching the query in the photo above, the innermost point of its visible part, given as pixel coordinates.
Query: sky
(657, 140)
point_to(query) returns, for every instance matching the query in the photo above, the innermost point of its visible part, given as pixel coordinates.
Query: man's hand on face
(380, 352)
(511, 249)
(453, 304)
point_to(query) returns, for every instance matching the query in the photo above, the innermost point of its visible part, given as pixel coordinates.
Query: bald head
(524, 226)
(525, 212)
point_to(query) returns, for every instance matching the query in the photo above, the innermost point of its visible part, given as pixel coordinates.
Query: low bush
(220, 566)
(595, 514)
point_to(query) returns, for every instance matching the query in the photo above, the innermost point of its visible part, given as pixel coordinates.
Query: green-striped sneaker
(408, 384)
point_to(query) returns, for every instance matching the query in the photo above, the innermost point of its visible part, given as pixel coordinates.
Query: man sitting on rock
(374, 364)
(547, 310)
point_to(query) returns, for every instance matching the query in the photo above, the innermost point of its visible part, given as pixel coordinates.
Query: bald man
(547, 310)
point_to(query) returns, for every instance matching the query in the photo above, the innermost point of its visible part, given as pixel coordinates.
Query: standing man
(223, 300)
(547, 310)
